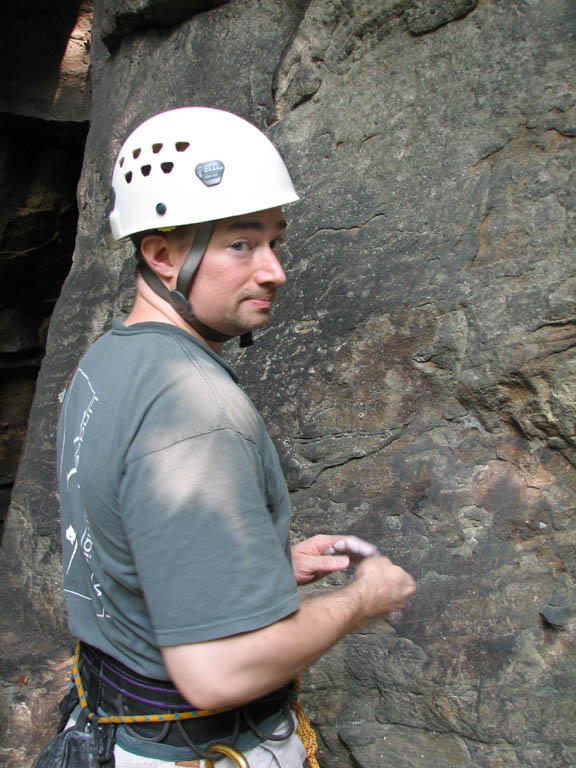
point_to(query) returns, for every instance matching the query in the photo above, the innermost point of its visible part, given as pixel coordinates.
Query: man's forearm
(237, 669)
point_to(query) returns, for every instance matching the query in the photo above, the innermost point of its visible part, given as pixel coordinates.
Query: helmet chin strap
(177, 298)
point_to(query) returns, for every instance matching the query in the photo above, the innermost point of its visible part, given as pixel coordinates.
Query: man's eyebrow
(252, 224)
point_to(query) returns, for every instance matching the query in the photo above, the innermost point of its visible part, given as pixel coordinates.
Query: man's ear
(161, 256)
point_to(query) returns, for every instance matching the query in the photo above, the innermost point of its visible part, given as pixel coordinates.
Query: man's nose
(270, 270)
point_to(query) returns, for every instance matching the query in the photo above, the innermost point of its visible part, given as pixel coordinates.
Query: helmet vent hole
(167, 167)
(182, 146)
(128, 177)
(146, 170)
(156, 148)
(121, 163)
(136, 153)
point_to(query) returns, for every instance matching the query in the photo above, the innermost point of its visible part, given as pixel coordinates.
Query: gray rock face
(418, 376)
(119, 19)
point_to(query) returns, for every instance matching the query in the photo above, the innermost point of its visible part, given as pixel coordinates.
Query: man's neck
(150, 308)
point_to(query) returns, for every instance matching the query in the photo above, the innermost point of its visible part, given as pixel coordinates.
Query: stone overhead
(118, 19)
(45, 59)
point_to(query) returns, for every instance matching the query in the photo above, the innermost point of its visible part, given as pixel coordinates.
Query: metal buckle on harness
(226, 749)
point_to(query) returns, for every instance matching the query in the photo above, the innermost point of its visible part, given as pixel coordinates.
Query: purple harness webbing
(138, 684)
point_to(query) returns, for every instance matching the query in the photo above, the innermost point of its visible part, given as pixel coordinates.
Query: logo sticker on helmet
(210, 173)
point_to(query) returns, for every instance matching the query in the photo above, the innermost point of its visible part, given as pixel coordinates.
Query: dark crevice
(40, 165)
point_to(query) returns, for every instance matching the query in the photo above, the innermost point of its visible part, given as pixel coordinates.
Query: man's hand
(322, 554)
(381, 587)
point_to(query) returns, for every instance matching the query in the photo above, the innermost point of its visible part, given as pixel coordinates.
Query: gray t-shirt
(175, 512)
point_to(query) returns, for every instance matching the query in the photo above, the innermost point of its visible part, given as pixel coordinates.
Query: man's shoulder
(174, 386)
(153, 349)
(164, 341)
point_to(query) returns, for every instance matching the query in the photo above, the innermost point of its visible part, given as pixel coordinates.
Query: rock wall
(418, 377)
(44, 100)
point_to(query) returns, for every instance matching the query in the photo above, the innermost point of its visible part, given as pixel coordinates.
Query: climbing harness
(118, 689)
(124, 719)
(90, 741)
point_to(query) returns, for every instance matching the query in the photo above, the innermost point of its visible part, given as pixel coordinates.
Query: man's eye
(240, 245)
(276, 244)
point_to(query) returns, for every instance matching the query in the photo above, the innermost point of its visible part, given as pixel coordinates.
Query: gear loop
(204, 754)
(263, 735)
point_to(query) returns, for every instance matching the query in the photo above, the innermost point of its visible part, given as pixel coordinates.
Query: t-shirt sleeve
(210, 559)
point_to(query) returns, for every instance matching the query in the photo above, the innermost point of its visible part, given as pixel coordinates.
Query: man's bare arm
(233, 670)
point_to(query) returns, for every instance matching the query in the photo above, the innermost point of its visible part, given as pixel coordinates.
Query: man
(180, 581)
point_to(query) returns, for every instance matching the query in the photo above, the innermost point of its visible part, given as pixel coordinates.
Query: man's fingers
(354, 546)
(316, 567)
(334, 563)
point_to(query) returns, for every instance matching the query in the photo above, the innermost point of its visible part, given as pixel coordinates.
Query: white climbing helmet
(191, 165)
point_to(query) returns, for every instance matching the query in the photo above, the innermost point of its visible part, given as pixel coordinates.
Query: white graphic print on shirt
(82, 390)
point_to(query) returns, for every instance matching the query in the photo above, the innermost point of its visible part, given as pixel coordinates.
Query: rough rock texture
(119, 19)
(44, 94)
(418, 377)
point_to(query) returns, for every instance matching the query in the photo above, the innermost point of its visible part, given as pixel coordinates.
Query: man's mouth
(263, 302)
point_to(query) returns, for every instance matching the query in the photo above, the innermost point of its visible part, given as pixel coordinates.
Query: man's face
(240, 273)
